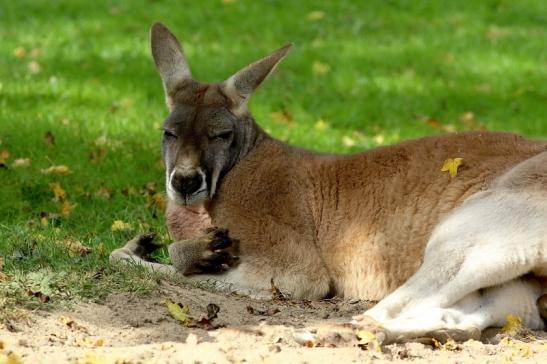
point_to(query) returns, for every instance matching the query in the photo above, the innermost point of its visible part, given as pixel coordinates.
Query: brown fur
(358, 224)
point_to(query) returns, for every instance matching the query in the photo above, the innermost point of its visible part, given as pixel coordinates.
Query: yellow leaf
(316, 15)
(368, 341)
(320, 124)
(120, 225)
(4, 155)
(347, 141)
(10, 358)
(379, 139)
(513, 325)
(178, 313)
(66, 208)
(19, 52)
(56, 170)
(451, 166)
(58, 192)
(21, 162)
(283, 116)
(320, 68)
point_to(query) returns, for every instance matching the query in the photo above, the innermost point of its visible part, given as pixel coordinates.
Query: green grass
(384, 71)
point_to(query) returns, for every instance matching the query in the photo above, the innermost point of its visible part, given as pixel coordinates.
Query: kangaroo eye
(169, 134)
(221, 136)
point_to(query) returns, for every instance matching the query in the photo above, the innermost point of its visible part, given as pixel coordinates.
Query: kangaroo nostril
(186, 185)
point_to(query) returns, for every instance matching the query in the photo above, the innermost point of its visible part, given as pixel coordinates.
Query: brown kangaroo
(357, 225)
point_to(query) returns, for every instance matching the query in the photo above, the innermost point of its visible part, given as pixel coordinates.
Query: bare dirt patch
(131, 329)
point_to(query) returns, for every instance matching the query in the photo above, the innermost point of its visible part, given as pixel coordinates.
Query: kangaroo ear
(242, 84)
(169, 58)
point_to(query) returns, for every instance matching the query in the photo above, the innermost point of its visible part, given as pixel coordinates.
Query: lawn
(78, 90)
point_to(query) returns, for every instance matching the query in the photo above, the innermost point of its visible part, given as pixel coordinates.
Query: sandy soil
(129, 329)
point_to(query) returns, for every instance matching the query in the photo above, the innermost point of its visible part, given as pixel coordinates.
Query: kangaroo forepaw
(139, 247)
(220, 253)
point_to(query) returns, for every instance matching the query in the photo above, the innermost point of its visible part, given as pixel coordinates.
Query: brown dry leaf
(316, 15)
(451, 166)
(58, 192)
(157, 201)
(66, 208)
(320, 69)
(49, 138)
(129, 191)
(61, 169)
(4, 155)
(19, 52)
(119, 225)
(103, 193)
(21, 162)
(75, 247)
(97, 154)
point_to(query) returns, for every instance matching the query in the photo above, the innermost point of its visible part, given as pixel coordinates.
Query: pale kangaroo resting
(442, 254)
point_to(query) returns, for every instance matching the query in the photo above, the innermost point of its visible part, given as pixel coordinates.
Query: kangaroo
(440, 253)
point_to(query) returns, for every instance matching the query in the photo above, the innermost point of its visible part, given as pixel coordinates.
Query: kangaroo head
(209, 128)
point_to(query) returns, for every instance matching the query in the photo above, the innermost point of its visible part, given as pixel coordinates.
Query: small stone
(274, 348)
(23, 342)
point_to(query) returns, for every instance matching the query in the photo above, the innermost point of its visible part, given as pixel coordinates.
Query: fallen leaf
(97, 154)
(320, 124)
(157, 201)
(56, 170)
(88, 342)
(75, 247)
(451, 166)
(513, 325)
(118, 225)
(129, 191)
(103, 193)
(21, 162)
(10, 358)
(49, 138)
(58, 192)
(34, 67)
(66, 208)
(379, 139)
(283, 117)
(368, 341)
(276, 293)
(44, 298)
(347, 141)
(179, 313)
(316, 15)
(320, 69)
(4, 155)
(19, 52)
